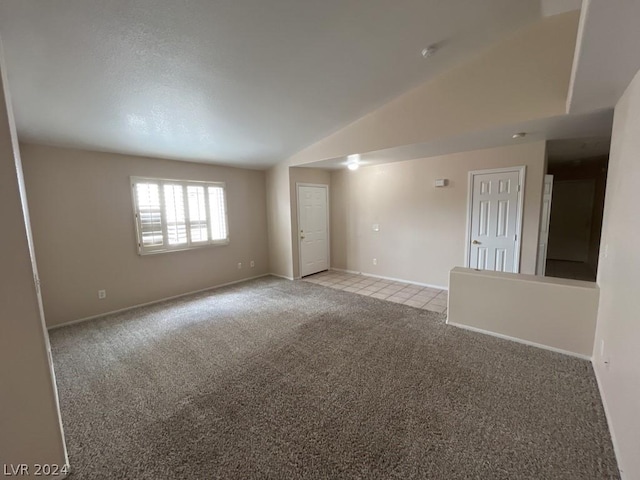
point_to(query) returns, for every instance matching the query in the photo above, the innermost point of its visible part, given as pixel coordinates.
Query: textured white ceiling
(242, 82)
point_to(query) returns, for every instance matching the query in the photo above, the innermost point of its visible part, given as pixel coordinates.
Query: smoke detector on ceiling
(429, 51)
(519, 135)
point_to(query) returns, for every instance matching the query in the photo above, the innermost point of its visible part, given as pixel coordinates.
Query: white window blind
(217, 213)
(178, 215)
(198, 214)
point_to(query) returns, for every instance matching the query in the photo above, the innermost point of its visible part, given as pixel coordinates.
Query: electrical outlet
(239, 265)
(102, 294)
(376, 227)
(375, 261)
(252, 264)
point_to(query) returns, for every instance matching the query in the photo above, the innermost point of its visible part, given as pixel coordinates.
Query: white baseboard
(393, 279)
(616, 449)
(342, 270)
(164, 299)
(519, 340)
(281, 276)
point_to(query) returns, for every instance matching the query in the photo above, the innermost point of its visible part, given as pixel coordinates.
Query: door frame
(522, 176)
(297, 232)
(541, 263)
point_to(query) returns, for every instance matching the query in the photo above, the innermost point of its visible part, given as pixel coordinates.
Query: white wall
(619, 280)
(30, 430)
(422, 228)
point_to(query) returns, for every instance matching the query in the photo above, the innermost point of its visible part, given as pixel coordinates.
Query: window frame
(166, 247)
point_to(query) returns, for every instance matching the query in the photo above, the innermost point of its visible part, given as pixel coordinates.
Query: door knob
(476, 242)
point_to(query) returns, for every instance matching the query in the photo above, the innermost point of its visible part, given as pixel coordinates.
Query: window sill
(183, 249)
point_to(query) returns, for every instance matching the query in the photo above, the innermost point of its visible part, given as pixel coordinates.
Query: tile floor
(392, 291)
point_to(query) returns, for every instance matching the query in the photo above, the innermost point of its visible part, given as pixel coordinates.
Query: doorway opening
(577, 207)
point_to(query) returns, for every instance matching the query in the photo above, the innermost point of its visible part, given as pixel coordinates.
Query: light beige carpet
(278, 379)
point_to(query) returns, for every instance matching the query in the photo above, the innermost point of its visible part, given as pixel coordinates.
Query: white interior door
(496, 212)
(545, 218)
(313, 226)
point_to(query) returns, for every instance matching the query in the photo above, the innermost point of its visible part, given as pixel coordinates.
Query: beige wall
(84, 231)
(422, 228)
(302, 175)
(554, 313)
(279, 221)
(282, 214)
(618, 278)
(525, 76)
(30, 430)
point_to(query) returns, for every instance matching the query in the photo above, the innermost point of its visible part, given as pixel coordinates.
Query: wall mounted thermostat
(441, 182)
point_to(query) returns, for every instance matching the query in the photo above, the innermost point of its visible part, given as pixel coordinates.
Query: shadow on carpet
(278, 379)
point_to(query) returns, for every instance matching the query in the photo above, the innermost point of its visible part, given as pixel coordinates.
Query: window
(178, 215)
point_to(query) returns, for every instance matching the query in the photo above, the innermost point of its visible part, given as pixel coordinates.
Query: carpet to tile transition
(278, 379)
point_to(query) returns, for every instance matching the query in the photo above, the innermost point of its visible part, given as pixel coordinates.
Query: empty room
(340, 239)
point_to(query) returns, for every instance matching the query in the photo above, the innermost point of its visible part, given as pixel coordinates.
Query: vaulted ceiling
(607, 58)
(240, 82)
